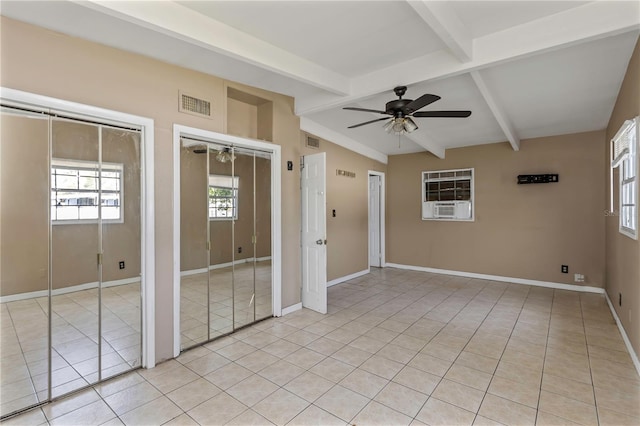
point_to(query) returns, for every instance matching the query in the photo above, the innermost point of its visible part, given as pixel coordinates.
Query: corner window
(447, 195)
(624, 156)
(223, 197)
(82, 191)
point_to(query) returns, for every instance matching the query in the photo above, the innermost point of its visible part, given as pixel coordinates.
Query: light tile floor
(396, 348)
(227, 287)
(24, 336)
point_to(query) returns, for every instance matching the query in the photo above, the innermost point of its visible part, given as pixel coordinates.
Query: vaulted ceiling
(525, 69)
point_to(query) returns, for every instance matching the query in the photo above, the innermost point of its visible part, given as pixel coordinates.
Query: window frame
(235, 197)
(627, 163)
(426, 179)
(90, 166)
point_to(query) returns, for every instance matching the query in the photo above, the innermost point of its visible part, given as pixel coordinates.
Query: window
(625, 157)
(79, 188)
(447, 195)
(223, 197)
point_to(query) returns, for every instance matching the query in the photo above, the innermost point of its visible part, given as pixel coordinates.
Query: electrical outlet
(239, 249)
(579, 278)
(121, 264)
(564, 269)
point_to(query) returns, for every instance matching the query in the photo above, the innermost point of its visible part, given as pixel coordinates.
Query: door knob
(319, 242)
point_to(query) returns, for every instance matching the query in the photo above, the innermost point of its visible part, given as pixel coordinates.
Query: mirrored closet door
(70, 236)
(225, 239)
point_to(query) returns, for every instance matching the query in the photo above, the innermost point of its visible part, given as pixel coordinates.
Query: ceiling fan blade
(367, 122)
(443, 114)
(366, 110)
(421, 102)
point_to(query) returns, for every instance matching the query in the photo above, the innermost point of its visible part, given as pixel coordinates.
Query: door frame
(276, 214)
(382, 217)
(147, 212)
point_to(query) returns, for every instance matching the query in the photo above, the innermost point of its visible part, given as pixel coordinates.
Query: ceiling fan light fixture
(225, 155)
(409, 125)
(388, 126)
(402, 111)
(400, 125)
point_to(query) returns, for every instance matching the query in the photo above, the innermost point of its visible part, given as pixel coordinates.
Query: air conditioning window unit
(459, 210)
(448, 195)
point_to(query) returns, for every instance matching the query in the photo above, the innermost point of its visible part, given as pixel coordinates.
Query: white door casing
(374, 221)
(314, 221)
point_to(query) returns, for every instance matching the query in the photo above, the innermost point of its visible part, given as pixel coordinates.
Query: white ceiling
(524, 68)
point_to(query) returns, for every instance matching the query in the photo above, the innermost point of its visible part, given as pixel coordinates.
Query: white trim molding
(290, 309)
(627, 342)
(348, 277)
(67, 290)
(524, 281)
(222, 266)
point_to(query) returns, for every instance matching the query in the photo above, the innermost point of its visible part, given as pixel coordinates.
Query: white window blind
(622, 142)
(624, 156)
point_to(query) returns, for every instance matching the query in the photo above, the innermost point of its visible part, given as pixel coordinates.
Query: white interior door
(374, 221)
(314, 231)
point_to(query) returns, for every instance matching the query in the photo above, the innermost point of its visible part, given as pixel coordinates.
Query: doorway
(227, 241)
(376, 219)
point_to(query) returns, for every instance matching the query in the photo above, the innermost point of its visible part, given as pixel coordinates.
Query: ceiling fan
(402, 111)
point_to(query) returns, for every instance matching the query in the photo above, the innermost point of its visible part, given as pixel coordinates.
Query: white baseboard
(66, 290)
(223, 265)
(24, 296)
(525, 281)
(627, 342)
(292, 308)
(348, 277)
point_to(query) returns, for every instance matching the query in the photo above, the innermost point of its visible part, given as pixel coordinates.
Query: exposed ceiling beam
(337, 138)
(581, 24)
(498, 112)
(427, 143)
(444, 21)
(185, 24)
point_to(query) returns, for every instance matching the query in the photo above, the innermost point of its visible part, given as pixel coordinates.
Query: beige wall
(623, 253)
(193, 211)
(242, 119)
(74, 246)
(521, 231)
(347, 233)
(85, 72)
(24, 241)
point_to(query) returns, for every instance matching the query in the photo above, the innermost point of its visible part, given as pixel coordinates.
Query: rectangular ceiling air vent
(196, 106)
(313, 142)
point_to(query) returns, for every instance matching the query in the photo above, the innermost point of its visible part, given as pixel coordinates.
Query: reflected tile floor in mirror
(193, 306)
(396, 348)
(24, 340)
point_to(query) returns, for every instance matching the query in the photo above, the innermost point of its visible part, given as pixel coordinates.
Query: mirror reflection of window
(223, 197)
(79, 187)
